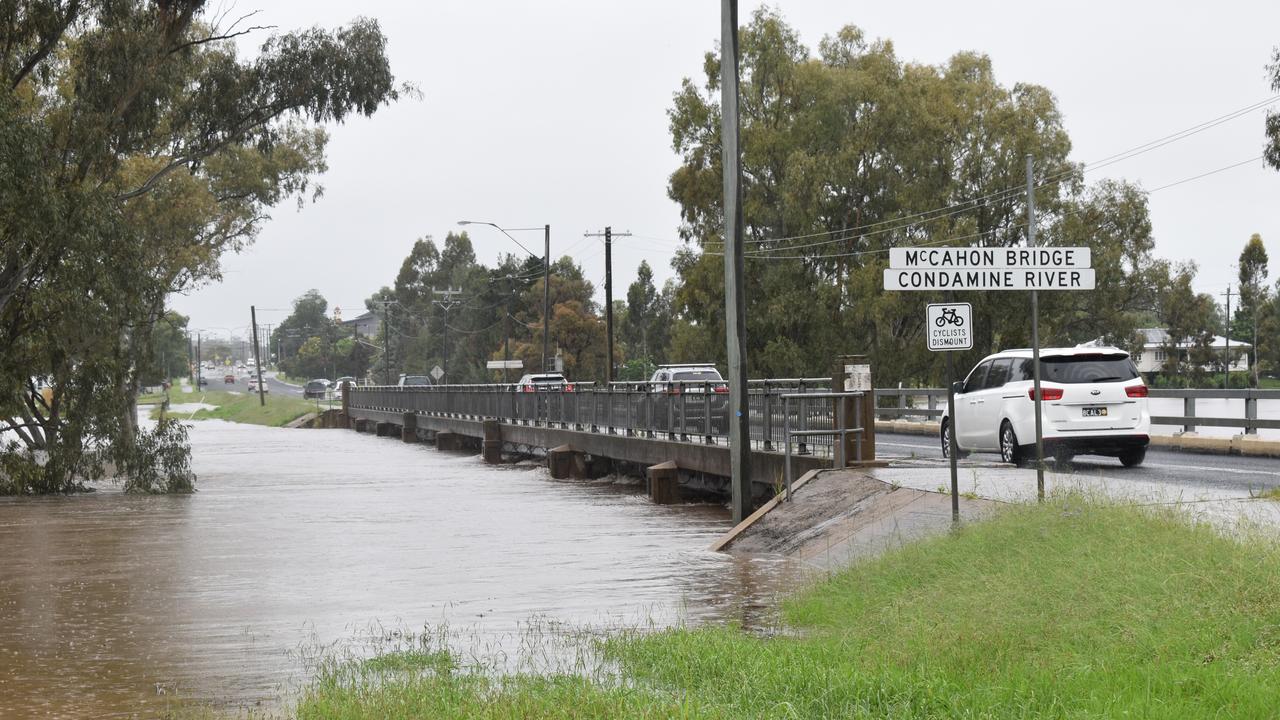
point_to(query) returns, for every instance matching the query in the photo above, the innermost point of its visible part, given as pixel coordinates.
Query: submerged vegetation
(245, 408)
(1066, 609)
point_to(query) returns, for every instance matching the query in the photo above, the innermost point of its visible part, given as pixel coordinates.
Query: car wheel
(1010, 451)
(1133, 458)
(945, 437)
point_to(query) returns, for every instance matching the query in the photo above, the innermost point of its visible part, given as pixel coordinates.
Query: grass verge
(1062, 610)
(245, 408)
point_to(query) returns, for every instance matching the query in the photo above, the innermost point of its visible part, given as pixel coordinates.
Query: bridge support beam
(451, 442)
(664, 483)
(409, 431)
(492, 442)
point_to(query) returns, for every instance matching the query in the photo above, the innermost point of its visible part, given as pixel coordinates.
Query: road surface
(1227, 472)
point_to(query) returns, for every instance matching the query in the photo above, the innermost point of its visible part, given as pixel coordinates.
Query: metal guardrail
(684, 411)
(935, 397)
(838, 433)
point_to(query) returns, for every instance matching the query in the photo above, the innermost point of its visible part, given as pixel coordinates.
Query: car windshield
(315, 385)
(1087, 368)
(698, 376)
(546, 379)
(416, 380)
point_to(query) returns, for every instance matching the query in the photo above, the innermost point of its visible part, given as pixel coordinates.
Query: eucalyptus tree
(148, 148)
(846, 154)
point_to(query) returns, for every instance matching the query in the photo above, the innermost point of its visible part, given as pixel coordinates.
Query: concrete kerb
(1185, 442)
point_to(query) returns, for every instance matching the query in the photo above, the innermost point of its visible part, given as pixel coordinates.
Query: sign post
(950, 327)
(1031, 268)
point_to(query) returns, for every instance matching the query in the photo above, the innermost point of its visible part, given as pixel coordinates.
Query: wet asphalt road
(1235, 472)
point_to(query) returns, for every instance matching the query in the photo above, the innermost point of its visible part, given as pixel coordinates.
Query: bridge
(675, 435)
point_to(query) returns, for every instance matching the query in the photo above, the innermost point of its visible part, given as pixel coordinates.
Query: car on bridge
(1093, 402)
(686, 396)
(544, 382)
(412, 380)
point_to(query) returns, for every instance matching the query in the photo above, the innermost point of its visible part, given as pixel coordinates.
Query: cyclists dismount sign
(949, 326)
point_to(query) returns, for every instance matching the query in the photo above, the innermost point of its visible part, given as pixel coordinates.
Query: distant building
(1156, 351)
(365, 325)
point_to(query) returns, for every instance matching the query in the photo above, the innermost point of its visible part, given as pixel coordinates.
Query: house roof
(363, 317)
(1159, 337)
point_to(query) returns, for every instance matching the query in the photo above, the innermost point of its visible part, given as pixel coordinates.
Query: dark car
(315, 388)
(414, 380)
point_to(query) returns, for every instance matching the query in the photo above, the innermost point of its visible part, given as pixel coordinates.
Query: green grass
(1069, 609)
(244, 407)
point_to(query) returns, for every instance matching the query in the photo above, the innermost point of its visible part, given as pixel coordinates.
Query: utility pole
(608, 293)
(1035, 332)
(447, 304)
(546, 296)
(199, 366)
(257, 359)
(1226, 335)
(735, 305)
(386, 340)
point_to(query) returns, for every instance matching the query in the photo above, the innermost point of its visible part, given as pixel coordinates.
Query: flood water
(120, 606)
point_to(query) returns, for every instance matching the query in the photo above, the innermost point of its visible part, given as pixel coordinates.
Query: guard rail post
(1189, 411)
(1250, 414)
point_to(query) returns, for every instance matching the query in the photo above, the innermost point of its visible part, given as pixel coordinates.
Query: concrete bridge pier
(384, 429)
(492, 442)
(409, 430)
(663, 480)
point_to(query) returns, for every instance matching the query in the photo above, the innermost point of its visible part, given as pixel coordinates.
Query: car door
(965, 417)
(990, 405)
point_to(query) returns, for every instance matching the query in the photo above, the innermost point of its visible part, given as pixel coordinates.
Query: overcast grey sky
(555, 112)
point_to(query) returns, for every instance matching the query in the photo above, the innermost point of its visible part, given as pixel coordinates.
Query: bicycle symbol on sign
(949, 317)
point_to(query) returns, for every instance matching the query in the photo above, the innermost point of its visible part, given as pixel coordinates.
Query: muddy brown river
(297, 540)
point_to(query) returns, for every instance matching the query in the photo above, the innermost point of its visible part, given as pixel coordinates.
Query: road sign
(437, 372)
(505, 365)
(988, 279)
(979, 258)
(949, 326)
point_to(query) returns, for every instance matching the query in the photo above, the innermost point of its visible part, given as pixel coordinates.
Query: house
(1156, 349)
(365, 325)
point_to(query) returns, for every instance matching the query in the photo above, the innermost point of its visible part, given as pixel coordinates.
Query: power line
(1009, 193)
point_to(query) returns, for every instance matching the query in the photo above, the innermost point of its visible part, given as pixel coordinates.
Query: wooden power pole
(608, 236)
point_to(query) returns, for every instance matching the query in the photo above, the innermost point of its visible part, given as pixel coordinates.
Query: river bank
(278, 410)
(1074, 607)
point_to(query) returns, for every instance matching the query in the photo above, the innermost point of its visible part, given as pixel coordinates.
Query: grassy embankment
(1069, 609)
(243, 407)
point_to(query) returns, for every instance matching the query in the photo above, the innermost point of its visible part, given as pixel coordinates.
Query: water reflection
(115, 605)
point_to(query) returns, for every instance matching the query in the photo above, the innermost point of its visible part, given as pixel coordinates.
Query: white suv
(1093, 402)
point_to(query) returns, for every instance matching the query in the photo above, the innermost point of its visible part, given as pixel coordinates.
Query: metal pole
(546, 296)
(1226, 335)
(786, 438)
(734, 267)
(257, 361)
(1035, 333)
(951, 441)
(608, 298)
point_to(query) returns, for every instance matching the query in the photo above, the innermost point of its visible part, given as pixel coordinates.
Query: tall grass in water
(1067, 609)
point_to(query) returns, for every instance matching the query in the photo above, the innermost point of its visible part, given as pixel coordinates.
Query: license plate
(1094, 412)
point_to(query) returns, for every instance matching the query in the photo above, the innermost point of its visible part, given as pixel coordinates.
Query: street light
(546, 277)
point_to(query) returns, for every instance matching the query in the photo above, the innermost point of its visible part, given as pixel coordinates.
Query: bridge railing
(927, 403)
(687, 411)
